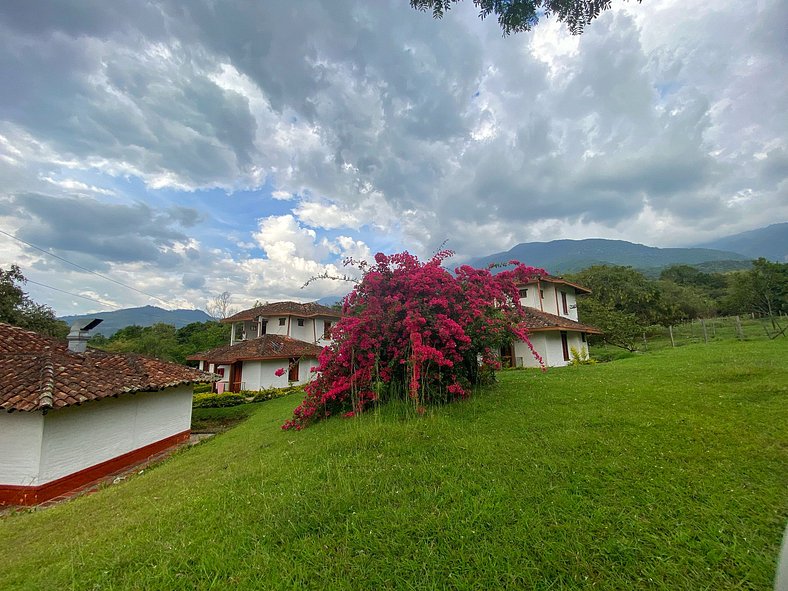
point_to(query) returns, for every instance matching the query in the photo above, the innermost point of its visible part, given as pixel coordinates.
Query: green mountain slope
(566, 256)
(770, 243)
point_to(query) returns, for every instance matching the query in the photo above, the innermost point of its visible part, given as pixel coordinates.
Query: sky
(173, 150)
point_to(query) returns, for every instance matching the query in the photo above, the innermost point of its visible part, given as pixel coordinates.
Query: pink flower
(279, 372)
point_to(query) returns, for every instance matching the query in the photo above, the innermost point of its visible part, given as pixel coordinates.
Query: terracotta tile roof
(37, 372)
(284, 309)
(268, 346)
(536, 321)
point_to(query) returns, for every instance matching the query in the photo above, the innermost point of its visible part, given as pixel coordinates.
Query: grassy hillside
(661, 471)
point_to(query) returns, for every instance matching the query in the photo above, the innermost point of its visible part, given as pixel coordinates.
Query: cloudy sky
(190, 148)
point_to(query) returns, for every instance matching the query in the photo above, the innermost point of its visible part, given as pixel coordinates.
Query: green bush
(218, 400)
(202, 388)
(271, 393)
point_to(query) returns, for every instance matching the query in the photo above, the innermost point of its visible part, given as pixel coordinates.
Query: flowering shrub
(413, 330)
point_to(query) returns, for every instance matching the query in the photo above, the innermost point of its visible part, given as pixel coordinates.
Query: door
(292, 374)
(236, 375)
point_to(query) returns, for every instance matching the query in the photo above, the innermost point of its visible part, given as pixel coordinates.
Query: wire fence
(707, 330)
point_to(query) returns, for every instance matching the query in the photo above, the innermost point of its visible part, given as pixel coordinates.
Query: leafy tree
(762, 290)
(164, 341)
(620, 329)
(18, 309)
(714, 286)
(515, 16)
(416, 331)
(680, 303)
(623, 289)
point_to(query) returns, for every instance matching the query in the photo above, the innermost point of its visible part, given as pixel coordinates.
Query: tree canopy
(18, 309)
(516, 16)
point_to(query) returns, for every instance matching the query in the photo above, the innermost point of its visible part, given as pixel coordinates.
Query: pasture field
(666, 470)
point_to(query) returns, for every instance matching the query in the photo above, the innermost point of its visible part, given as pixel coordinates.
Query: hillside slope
(566, 256)
(144, 316)
(665, 470)
(770, 242)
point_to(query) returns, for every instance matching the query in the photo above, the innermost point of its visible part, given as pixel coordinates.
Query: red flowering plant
(414, 330)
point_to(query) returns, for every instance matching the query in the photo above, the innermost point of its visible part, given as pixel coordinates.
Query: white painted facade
(549, 297)
(261, 374)
(37, 448)
(548, 345)
(309, 330)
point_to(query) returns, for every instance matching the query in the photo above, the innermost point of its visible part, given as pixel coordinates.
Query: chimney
(78, 337)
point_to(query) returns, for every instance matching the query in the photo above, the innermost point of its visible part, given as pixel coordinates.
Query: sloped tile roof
(268, 346)
(37, 372)
(536, 320)
(284, 309)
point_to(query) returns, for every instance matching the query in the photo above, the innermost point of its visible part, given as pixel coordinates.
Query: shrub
(414, 330)
(580, 356)
(202, 388)
(211, 400)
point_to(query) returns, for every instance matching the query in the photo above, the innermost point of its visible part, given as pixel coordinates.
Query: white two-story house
(271, 346)
(550, 305)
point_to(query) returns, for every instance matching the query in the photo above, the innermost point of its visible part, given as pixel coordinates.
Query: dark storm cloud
(444, 119)
(107, 232)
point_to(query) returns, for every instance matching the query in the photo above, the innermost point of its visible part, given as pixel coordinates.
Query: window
(565, 346)
(292, 374)
(326, 329)
(564, 304)
(282, 321)
(523, 292)
(300, 322)
(583, 336)
(263, 327)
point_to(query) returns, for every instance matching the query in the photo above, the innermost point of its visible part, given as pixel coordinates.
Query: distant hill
(330, 300)
(568, 256)
(770, 243)
(144, 316)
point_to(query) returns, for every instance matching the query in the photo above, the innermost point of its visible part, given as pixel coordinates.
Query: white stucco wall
(548, 345)
(20, 447)
(78, 437)
(258, 375)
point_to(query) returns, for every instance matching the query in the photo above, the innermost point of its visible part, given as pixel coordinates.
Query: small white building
(269, 361)
(70, 416)
(550, 305)
(271, 346)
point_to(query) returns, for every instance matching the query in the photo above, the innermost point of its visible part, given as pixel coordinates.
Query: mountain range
(568, 256)
(144, 316)
(770, 243)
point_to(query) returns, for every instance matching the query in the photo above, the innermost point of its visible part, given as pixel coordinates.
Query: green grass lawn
(661, 471)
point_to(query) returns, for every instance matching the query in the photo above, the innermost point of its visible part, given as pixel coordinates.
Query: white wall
(258, 375)
(78, 437)
(548, 345)
(20, 447)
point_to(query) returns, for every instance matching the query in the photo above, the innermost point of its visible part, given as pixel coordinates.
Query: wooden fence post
(705, 336)
(672, 342)
(738, 329)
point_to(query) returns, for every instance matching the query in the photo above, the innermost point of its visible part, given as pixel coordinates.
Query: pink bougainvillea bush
(414, 330)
